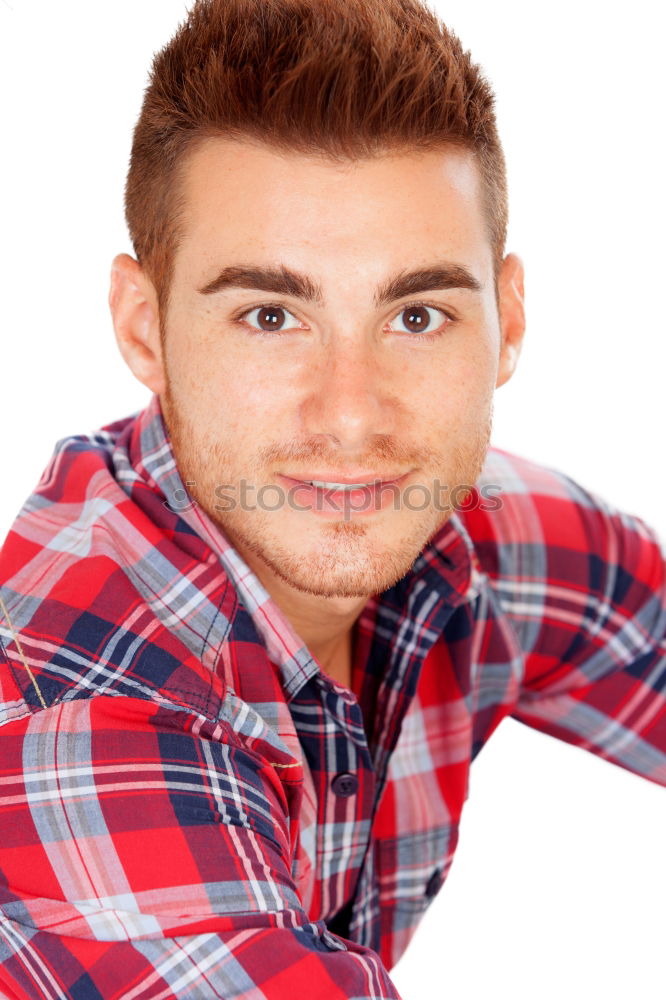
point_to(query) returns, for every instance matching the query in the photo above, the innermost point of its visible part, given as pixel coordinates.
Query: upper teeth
(341, 486)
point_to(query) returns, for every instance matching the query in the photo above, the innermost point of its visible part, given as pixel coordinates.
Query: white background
(558, 886)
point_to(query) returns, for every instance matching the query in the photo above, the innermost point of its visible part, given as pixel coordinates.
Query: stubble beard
(348, 559)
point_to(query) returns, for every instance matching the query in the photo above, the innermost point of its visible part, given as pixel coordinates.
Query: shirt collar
(445, 574)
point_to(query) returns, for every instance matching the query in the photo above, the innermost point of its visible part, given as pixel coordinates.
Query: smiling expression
(337, 323)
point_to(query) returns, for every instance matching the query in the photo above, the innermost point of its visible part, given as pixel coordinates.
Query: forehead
(241, 195)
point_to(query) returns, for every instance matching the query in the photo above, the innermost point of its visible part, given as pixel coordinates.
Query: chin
(348, 561)
(355, 584)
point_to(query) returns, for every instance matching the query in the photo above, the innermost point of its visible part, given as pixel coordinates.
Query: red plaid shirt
(191, 807)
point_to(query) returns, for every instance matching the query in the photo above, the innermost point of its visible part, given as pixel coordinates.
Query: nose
(351, 396)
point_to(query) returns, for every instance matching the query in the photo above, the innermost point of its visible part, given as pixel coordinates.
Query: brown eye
(416, 319)
(270, 319)
(420, 319)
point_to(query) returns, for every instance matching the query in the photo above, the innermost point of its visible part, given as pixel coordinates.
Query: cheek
(242, 408)
(461, 385)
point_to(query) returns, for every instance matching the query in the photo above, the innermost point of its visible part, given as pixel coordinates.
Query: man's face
(353, 384)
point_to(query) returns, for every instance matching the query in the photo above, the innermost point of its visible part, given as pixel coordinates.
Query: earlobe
(512, 316)
(133, 305)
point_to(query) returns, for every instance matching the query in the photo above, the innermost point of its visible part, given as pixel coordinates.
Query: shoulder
(529, 518)
(534, 501)
(546, 540)
(85, 579)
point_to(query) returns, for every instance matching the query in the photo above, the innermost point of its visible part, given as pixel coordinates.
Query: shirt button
(434, 883)
(345, 784)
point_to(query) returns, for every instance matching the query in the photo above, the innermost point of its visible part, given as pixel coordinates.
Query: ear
(511, 296)
(134, 309)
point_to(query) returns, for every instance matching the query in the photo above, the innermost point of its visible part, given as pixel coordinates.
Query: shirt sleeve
(144, 855)
(594, 632)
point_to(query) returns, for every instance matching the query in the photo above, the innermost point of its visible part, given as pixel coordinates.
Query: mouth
(332, 481)
(328, 495)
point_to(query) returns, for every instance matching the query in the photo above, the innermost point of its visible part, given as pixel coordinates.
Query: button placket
(344, 784)
(434, 883)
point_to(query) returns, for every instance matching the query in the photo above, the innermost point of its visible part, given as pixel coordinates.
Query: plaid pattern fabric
(191, 807)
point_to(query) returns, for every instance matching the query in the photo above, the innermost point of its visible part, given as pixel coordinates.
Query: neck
(324, 624)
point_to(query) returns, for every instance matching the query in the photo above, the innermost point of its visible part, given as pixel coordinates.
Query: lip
(327, 477)
(358, 503)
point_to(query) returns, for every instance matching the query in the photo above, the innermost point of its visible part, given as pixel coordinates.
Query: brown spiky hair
(337, 79)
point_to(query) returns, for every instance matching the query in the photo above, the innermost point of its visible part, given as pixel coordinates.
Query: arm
(595, 671)
(146, 855)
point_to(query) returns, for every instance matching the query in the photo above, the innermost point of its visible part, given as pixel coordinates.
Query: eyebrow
(283, 281)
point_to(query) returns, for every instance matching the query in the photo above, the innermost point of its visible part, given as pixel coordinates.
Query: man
(254, 635)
